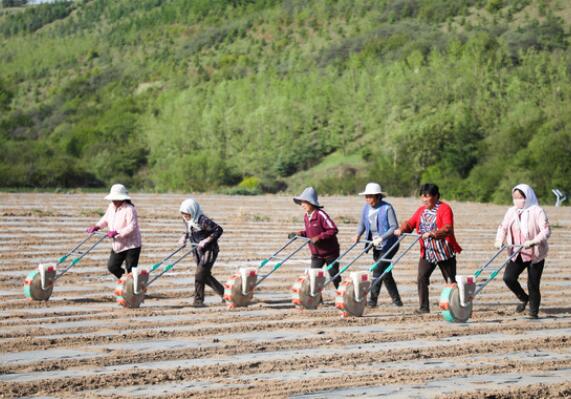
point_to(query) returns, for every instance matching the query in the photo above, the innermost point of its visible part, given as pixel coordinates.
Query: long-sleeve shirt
(207, 228)
(319, 224)
(124, 221)
(538, 231)
(382, 224)
(444, 227)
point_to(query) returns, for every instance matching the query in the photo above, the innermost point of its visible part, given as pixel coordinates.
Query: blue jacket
(384, 229)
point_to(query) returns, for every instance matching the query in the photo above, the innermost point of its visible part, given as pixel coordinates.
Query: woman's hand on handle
(428, 234)
(92, 229)
(528, 244)
(182, 241)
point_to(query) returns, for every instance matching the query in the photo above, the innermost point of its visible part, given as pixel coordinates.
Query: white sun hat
(118, 192)
(373, 189)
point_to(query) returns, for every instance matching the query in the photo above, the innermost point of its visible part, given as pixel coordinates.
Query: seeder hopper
(307, 289)
(132, 287)
(351, 296)
(39, 284)
(456, 300)
(239, 289)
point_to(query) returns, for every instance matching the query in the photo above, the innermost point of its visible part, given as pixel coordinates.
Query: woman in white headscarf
(203, 232)
(525, 224)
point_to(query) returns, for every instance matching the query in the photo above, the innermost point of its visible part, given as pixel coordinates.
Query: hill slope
(203, 95)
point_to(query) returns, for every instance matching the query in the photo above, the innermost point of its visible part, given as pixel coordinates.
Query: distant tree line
(246, 96)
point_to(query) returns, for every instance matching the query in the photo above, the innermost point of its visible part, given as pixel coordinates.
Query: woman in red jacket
(322, 232)
(434, 221)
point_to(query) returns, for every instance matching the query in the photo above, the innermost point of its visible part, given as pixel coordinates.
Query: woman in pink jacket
(525, 224)
(123, 228)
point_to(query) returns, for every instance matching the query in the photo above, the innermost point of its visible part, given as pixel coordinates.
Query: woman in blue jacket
(378, 223)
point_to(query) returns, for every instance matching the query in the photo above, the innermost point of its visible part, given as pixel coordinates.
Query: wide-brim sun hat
(118, 192)
(373, 189)
(309, 195)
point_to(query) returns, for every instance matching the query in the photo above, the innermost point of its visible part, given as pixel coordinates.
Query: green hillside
(250, 96)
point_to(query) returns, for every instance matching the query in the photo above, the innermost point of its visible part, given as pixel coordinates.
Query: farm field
(81, 343)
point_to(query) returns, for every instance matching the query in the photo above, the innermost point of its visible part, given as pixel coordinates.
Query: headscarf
(530, 202)
(193, 208)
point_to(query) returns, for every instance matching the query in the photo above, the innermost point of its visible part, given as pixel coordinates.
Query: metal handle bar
(168, 267)
(489, 262)
(282, 261)
(274, 255)
(158, 264)
(347, 266)
(397, 260)
(101, 235)
(388, 251)
(493, 275)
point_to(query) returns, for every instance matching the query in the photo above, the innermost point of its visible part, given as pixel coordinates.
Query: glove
(377, 241)
(291, 235)
(182, 241)
(528, 244)
(112, 233)
(314, 239)
(498, 244)
(92, 229)
(202, 244)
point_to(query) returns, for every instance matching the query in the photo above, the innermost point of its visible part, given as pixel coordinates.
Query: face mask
(518, 203)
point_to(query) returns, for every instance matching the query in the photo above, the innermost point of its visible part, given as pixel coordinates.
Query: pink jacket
(124, 221)
(538, 231)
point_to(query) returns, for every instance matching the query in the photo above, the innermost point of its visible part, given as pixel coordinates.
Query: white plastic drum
(126, 293)
(239, 289)
(306, 291)
(33, 283)
(452, 309)
(351, 296)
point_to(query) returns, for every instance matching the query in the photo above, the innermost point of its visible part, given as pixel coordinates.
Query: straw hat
(308, 195)
(118, 192)
(373, 189)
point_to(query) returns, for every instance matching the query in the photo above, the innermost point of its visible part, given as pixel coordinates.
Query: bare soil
(82, 343)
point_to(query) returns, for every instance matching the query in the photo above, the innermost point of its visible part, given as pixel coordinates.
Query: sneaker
(397, 302)
(197, 304)
(521, 307)
(421, 311)
(371, 303)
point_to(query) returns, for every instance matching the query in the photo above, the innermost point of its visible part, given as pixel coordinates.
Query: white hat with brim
(118, 192)
(309, 195)
(373, 189)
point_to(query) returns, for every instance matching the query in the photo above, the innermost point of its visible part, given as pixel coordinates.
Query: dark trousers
(203, 276)
(425, 269)
(317, 262)
(116, 259)
(534, 272)
(388, 279)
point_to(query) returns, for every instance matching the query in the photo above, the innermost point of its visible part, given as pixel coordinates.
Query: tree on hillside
(14, 3)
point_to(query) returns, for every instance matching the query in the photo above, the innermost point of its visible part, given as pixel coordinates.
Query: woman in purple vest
(378, 223)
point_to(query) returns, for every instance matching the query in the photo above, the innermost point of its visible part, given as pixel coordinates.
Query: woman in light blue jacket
(378, 223)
